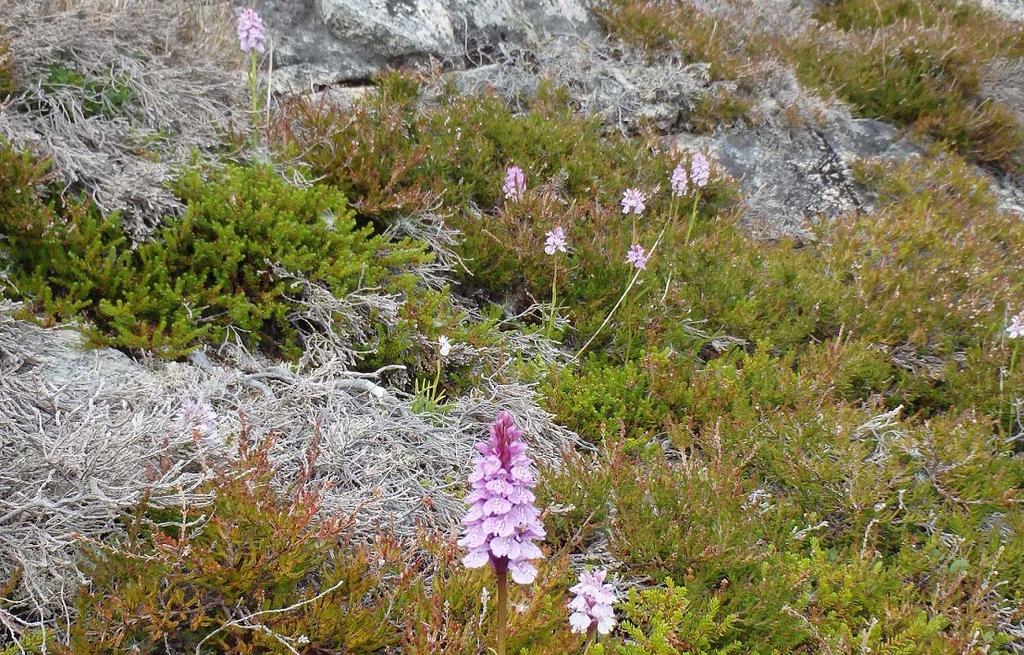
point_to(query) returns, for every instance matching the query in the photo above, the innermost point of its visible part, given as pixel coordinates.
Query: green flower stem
(632, 281)
(1009, 372)
(254, 90)
(554, 303)
(693, 216)
(502, 608)
(591, 638)
(437, 380)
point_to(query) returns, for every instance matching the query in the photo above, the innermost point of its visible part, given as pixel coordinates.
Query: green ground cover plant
(781, 493)
(210, 269)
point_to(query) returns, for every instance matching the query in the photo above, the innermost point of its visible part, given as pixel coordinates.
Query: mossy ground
(801, 446)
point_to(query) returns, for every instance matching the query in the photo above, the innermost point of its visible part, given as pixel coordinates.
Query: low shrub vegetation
(917, 63)
(253, 573)
(795, 446)
(228, 262)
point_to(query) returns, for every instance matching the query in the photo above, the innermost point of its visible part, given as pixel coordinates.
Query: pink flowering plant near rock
(503, 526)
(700, 170)
(252, 40)
(700, 173)
(678, 181)
(252, 35)
(633, 202)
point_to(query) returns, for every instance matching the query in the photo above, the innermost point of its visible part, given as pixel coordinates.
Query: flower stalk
(502, 636)
(693, 217)
(554, 244)
(554, 304)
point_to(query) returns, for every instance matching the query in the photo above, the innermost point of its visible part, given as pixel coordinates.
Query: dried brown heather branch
(117, 97)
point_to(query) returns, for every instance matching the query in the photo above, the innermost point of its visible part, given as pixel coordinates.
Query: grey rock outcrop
(323, 42)
(392, 29)
(795, 175)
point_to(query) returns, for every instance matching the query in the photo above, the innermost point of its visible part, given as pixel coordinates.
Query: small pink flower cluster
(199, 419)
(503, 523)
(1016, 328)
(637, 256)
(700, 173)
(252, 35)
(555, 241)
(700, 170)
(515, 183)
(592, 606)
(679, 181)
(633, 201)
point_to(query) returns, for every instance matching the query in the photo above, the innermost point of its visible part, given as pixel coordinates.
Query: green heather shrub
(33, 642)
(602, 399)
(920, 81)
(577, 498)
(663, 621)
(657, 27)
(393, 157)
(856, 15)
(919, 63)
(258, 569)
(21, 182)
(211, 269)
(445, 611)
(937, 263)
(685, 522)
(819, 531)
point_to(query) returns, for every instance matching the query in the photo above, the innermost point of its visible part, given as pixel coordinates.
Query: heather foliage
(927, 78)
(212, 269)
(264, 572)
(392, 157)
(220, 579)
(7, 84)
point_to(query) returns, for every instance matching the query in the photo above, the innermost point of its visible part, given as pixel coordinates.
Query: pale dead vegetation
(118, 95)
(88, 435)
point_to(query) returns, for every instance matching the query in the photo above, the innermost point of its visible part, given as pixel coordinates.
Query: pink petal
(475, 559)
(522, 572)
(579, 622)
